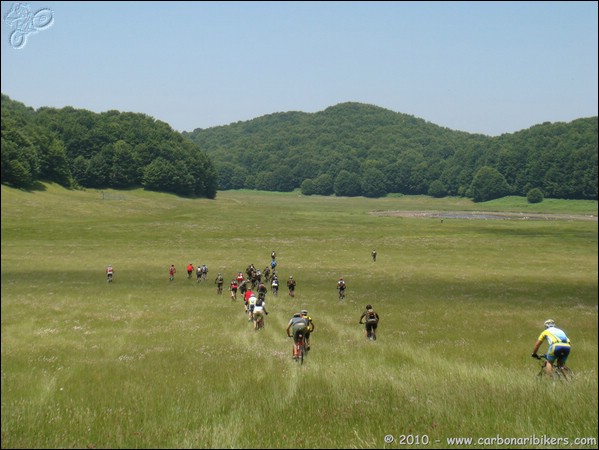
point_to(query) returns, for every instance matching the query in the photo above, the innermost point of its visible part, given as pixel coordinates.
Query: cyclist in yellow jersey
(310, 328)
(559, 346)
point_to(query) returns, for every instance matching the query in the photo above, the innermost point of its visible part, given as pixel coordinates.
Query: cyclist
(171, 272)
(372, 322)
(373, 254)
(219, 283)
(559, 346)
(310, 328)
(189, 270)
(275, 284)
(262, 291)
(250, 307)
(341, 288)
(291, 286)
(259, 313)
(233, 289)
(297, 326)
(246, 299)
(109, 272)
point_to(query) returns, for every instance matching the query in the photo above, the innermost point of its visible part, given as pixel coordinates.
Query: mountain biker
(559, 346)
(275, 284)
(189, 270)
(171, 272)
(262, 291)
(309, 329)
(251, 305)
(259, 312)
(246, 299)
(291, 285)
(243, 286)
(109, 272)
(233, 289)
(219, 280)
(341, 287)
(372, 322)
(373, 254)
(297, 325)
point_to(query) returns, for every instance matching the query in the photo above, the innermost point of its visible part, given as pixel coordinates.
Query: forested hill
(79, 148)
(358, 149)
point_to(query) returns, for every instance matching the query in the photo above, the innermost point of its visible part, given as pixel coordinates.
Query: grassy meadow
(146, 363)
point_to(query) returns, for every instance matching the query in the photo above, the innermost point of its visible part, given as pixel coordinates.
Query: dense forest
(349, 149)
(78, 148)
(356, 149)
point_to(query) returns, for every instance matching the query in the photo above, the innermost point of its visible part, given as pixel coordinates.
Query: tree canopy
(79, 148)
(349, 149)
(368, 150)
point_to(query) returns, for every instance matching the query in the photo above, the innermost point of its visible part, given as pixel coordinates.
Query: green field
(145, 363)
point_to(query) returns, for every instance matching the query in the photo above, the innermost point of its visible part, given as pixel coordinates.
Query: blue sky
(480, 67)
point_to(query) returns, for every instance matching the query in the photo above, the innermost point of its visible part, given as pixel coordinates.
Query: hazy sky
(488, 67)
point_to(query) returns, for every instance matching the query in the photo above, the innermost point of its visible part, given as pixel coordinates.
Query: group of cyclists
(301, 325)
(255, 308)
(242, 284)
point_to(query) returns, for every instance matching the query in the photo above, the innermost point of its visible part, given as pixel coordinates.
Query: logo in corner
(24, 22)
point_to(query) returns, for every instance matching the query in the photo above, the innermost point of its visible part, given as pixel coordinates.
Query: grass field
(145, 363)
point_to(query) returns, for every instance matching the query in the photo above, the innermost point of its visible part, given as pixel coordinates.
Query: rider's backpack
(371, 317)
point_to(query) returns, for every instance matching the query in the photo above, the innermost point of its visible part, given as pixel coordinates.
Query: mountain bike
(299, 348)
(341, 294)
(370, 329)
(560, 372)
(259, 320)
(109, 277)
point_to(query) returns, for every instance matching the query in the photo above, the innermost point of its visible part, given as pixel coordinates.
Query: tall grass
(144, 363)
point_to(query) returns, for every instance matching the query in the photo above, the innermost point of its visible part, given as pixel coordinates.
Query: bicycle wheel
(564, 373)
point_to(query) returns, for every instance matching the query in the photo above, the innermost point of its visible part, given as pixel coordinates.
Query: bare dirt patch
(483, 215)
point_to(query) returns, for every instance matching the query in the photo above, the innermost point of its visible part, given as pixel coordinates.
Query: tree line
(354, 149)
(349, 149)
(77, 148)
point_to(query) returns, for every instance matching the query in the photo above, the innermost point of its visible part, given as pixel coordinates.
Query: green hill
(359, 149)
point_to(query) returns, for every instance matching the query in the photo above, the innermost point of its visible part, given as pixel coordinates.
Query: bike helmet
(304, 312)
(549, 323)
(369, 306)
